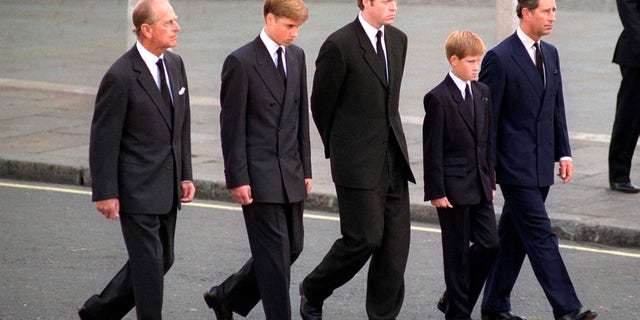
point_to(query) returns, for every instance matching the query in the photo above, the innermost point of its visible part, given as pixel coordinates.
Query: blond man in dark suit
(264, 131)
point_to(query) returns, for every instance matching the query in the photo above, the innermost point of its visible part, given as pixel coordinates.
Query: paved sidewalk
(47, 91)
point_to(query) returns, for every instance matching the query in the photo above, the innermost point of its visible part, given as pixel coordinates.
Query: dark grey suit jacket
(137, 153)
(265, 128)
(457, 146)
(354, 109)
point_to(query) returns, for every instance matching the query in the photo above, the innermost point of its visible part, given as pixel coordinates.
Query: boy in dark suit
(459, 174)
(264, 129)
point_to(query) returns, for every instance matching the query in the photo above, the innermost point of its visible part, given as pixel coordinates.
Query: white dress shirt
(272, 47)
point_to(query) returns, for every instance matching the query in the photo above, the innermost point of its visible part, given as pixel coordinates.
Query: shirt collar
(525, 39)
(271, 45)
(148, 57)
(459, 83)
(370, 30)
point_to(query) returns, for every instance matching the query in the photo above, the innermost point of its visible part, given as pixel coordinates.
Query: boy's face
(467, 68)
(283, 31)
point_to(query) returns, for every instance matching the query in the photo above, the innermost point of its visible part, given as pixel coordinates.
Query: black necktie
(164, 89)
(380, 53)
(468, 99)
(539, 63)
(280, 65)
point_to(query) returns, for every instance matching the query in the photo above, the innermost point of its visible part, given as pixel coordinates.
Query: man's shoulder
(294, 49)
(481, 85)
(440, 88)
(347, 31)
(124, 63)
(395, 32)
(245, 50)
(169, 55)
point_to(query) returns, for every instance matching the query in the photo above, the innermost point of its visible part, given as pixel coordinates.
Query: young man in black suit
(140, 161)
(459, 174)
(264, 128)
(354, 102)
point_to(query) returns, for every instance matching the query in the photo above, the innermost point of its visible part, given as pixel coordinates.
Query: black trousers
(375, 224)
(150, 241)
(276, 235)
(626, 126)
(470, 244)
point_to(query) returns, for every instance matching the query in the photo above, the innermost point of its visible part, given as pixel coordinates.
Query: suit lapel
(149, 85)
(523, 60)
(478, 108)
(394, 56)
(463, 109)
(369, 52)
(293, 81)
(176, 86)
(267, 71)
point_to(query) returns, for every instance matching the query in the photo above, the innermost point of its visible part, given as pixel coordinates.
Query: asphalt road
(56, 250)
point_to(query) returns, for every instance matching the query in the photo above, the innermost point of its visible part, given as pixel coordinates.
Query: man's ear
(454, 60)
(146, 30)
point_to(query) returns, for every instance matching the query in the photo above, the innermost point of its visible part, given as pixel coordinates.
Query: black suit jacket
(354, 109)
(137, 153)
(458, 151)
(627, 52)
(529, 121)
(265, 128)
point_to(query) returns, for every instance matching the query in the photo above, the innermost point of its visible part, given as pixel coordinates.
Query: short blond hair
(464, 43)
(295, 10)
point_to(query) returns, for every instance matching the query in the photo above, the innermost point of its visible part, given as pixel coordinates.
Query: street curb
(568, 229)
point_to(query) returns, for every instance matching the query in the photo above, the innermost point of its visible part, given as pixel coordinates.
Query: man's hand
(110, 208)
(242, 195)
(309, 184)
(566, 170)
(441, 203)
(188, 191)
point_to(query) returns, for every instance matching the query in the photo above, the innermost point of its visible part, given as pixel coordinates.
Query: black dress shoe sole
(588, 315)
(626, 187)
(216, 306)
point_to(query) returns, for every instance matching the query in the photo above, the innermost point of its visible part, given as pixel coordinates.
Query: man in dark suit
(354, 103)
(140, 161)
(530, 131)
(459, 174)
(626, 126)
(265, 143)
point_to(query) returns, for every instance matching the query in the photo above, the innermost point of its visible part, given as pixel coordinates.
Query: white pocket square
(182, 90)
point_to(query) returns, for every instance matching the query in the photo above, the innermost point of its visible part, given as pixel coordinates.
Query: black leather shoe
(579, 315)
(505, 315)
(84, 314)
(307, 310)
(626, 187)
(212, 298)
(442, 304)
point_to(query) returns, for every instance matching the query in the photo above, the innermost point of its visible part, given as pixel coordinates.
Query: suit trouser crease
(525, 229)
(150, 241)
(375, 225)
(275, 233)
(466, 266)
(626, 126)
